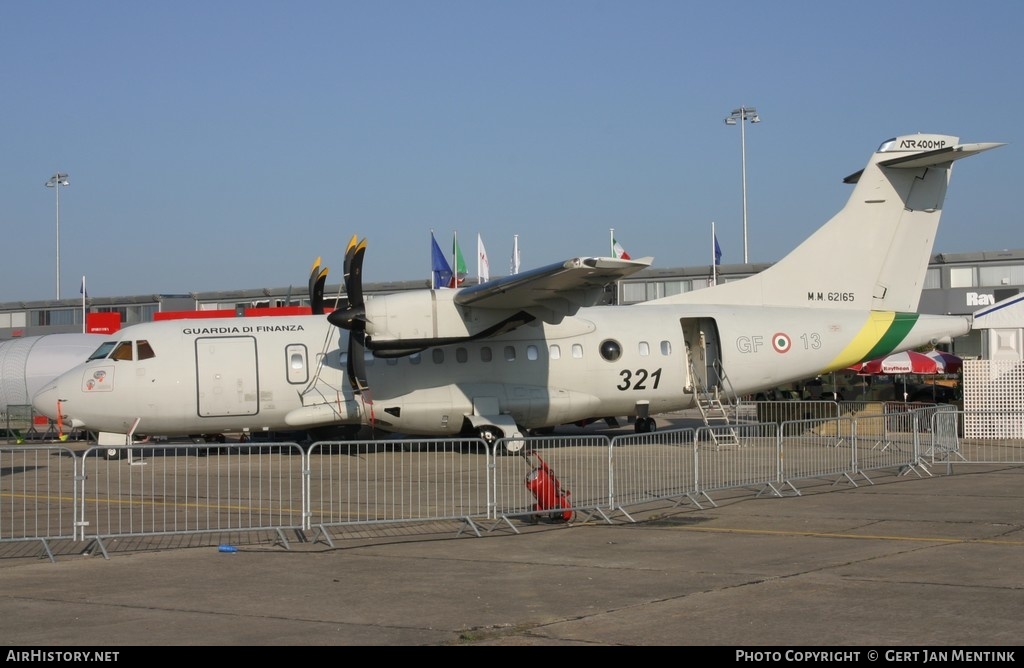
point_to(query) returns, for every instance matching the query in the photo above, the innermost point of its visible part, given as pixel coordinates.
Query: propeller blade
(317, 281)
(356, 366)
(354, 271)
(353, 317)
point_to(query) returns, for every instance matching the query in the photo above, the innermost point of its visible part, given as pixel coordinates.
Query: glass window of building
(961, 277)
(999, 276)
(633, 292)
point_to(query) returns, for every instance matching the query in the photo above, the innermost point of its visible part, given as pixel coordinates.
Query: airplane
(526, 353)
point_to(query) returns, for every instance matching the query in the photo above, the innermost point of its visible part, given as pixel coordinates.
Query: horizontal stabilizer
(938, 157)
(942, 156)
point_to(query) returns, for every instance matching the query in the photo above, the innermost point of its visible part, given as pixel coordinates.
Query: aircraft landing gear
(644, 425)
(489, 434)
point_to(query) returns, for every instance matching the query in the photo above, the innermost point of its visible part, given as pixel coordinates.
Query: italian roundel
(781, 342)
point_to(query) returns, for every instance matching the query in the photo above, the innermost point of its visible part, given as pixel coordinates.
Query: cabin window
(644, 349)
(485, 354)
(438, 356)
(392, 361)
(122, 352)
(415, 358)
(461, 355)
(611, 350)
(510, 353)
(531, 353)
(554, 352)
(577, 351)
(666, 348)
(145, 350)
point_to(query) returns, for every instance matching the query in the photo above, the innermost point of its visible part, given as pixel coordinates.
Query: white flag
(483, 267)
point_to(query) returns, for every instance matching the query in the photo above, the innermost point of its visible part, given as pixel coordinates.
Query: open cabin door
(703, 352)
(712, 392)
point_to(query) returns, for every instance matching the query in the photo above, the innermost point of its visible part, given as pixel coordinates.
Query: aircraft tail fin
(874, 253)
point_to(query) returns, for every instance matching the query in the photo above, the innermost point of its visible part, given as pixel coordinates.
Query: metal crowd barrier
(342, 489)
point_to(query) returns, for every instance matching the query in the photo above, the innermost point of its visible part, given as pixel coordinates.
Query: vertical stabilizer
(874, 253)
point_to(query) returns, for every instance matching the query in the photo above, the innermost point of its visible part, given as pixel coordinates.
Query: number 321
(638, 380)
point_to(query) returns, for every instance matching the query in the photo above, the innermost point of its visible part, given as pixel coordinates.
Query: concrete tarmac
(932, 561)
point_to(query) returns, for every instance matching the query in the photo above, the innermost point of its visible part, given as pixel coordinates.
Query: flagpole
(611, 239)
(432, 242)
(83, 304)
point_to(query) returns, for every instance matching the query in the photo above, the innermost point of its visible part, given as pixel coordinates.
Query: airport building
(955, 284)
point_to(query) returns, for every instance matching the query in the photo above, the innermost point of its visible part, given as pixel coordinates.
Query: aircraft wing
(561, 287)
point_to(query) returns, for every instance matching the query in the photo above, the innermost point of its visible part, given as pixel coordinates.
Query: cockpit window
(122, 352)
(103, 350)
(145, 350)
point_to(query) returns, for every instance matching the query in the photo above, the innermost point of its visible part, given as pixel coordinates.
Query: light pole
(55, 182)
(743, 114)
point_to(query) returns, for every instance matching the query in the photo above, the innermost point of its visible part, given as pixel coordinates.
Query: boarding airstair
(718, 406)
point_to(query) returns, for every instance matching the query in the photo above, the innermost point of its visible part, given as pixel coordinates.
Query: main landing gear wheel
(644, 425)
(489, 435)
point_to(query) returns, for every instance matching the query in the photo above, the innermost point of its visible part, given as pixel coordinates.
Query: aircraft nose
(45, 400)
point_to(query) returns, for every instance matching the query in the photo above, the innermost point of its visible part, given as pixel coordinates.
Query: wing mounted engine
(404, 323)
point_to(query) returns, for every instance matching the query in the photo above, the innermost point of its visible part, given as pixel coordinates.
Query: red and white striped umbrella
(905, 362)
(948, 362)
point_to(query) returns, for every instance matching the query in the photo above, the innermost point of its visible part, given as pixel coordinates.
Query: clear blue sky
(225, 145)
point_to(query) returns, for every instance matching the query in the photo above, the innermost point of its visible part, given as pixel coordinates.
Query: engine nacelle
(424, 317)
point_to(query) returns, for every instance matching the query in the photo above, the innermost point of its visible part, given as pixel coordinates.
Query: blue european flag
(718, 251)
(441, 271)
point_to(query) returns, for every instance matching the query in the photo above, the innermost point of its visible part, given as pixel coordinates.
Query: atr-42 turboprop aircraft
(532, 351)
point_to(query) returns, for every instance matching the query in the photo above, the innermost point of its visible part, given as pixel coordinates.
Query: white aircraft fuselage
(257, 374)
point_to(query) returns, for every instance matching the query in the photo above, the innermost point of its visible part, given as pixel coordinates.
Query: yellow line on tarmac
(820, 534)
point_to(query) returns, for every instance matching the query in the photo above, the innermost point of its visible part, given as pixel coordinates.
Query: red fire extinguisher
(547, 490)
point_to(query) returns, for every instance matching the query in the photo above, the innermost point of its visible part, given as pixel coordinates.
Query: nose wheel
(644, 425)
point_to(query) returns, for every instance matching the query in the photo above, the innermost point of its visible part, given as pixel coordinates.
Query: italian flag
(619, 251)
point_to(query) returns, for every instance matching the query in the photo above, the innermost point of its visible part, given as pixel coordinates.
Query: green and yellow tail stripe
(883, 331)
